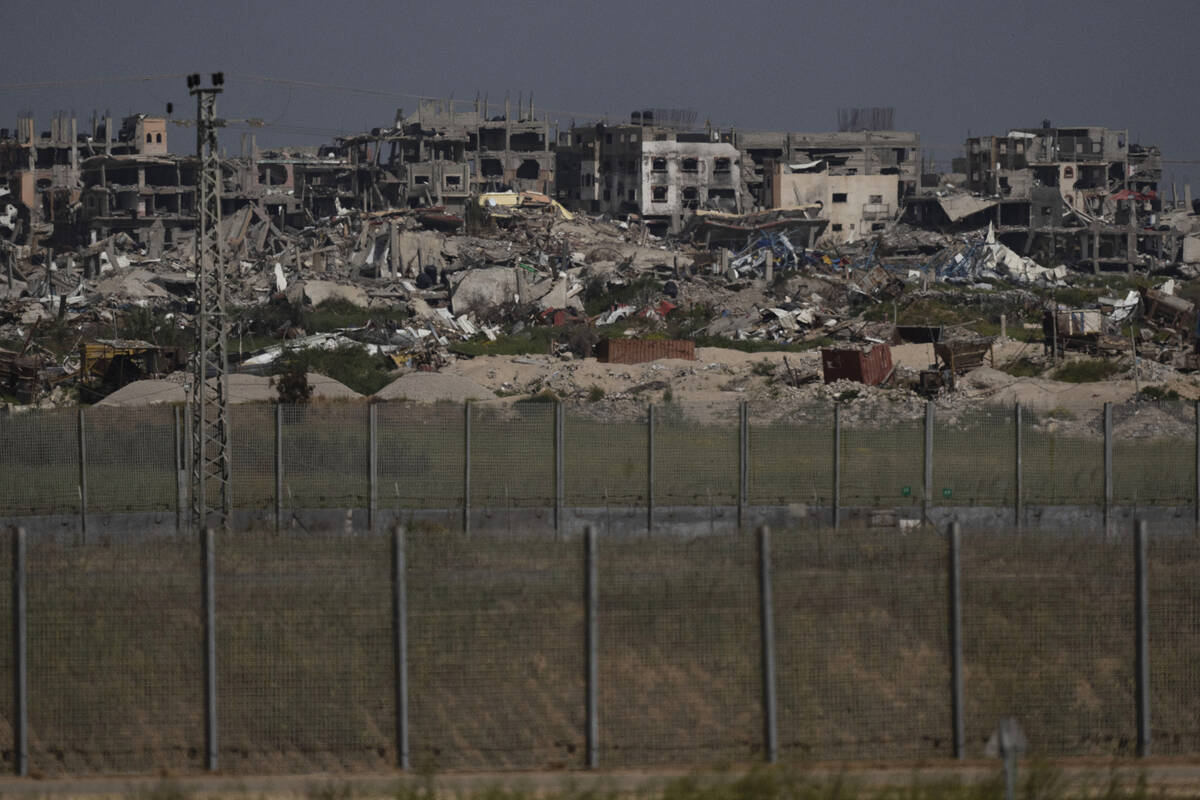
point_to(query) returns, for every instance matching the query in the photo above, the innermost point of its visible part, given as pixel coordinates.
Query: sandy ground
(1164, 777)
(720, 377)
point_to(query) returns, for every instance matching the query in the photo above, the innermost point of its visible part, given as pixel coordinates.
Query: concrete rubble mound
(349, 261)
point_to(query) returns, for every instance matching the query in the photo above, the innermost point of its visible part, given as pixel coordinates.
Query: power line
(90, 81)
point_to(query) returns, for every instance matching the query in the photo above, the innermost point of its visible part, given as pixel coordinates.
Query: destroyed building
(660, 172)
(440, 156)
(844, 153)
(1083, 195)
(855, 205)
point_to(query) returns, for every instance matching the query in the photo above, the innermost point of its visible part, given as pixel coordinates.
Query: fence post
(928, 480)
(83, 487)
(559, 482)
(400, 633)
(837, 464)
(372, 468)
(466, 507)
(743, 462)
(180, 475)
(278, 467)
(956, 647)
(210, 652)
(592, 612)
(20, 663)
(650, 469)
(767, 618)
(1108, 469)
(1141, 543)
(1020, 510)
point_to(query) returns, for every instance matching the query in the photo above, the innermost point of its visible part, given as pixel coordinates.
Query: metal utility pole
(210, 402)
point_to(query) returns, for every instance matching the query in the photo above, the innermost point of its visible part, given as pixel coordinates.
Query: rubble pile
(519, 263)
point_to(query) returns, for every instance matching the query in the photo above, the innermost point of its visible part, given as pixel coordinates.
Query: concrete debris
(835, 243)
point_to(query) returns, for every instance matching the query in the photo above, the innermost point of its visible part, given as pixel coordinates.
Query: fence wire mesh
(131, 458)
(696, 456)
(253, 455)
(39, 470)
(861, 638)
(421, 455)
(975, 458)
(7, 698)
(606, 450)
(1174, 562)
(1063, 457)
(883, 460)
(306, 661)
(1154, 454)
(495, 643)
(680, 665)
(306, 649)
(512, 455)
(605, 460)
(115, 674)
(1049, 639)
(791, 461)
(326, 455)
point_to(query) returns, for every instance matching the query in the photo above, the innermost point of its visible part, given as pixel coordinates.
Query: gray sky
(948, 68)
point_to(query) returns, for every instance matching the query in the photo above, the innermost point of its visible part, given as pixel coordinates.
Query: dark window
(149, 139)
(691, 165)
(876, 198)
(660, 194)
(720, 165)
(691, 197)
(658, 164)
(837, 226)
(528, 170)
(839, 197)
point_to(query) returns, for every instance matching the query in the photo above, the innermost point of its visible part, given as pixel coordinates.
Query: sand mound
(146, 393)
(430, 387)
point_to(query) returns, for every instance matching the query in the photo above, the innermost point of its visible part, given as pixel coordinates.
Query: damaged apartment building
(1082, 195)
(655, 166)
(439, 156)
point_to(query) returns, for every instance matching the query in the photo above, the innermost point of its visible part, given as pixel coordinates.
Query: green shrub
(1088, 370)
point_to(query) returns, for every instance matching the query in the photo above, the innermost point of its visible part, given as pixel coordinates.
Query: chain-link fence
(441, 651)
(504, 465)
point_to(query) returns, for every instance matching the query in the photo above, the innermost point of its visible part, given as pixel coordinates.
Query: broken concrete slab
(484, 288)
(318, 292)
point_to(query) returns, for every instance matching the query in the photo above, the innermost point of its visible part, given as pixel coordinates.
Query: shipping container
(871, 367)
(636, 351)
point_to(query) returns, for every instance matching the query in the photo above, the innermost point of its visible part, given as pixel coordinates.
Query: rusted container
(635, 351)
(871, 367)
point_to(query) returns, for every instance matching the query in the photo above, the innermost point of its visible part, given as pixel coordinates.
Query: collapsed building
(1086, 196)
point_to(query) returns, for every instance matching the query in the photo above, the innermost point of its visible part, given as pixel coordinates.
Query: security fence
(655, 465)
(257, 651)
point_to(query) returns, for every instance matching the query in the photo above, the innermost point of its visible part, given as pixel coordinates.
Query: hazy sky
(948, 68)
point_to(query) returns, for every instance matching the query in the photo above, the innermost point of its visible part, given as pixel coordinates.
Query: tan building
(855, 205)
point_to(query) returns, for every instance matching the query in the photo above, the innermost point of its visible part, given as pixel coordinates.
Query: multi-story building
(855, 205)
(661, 173)
(863, 152)
(1060, 194)
(440, 156)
